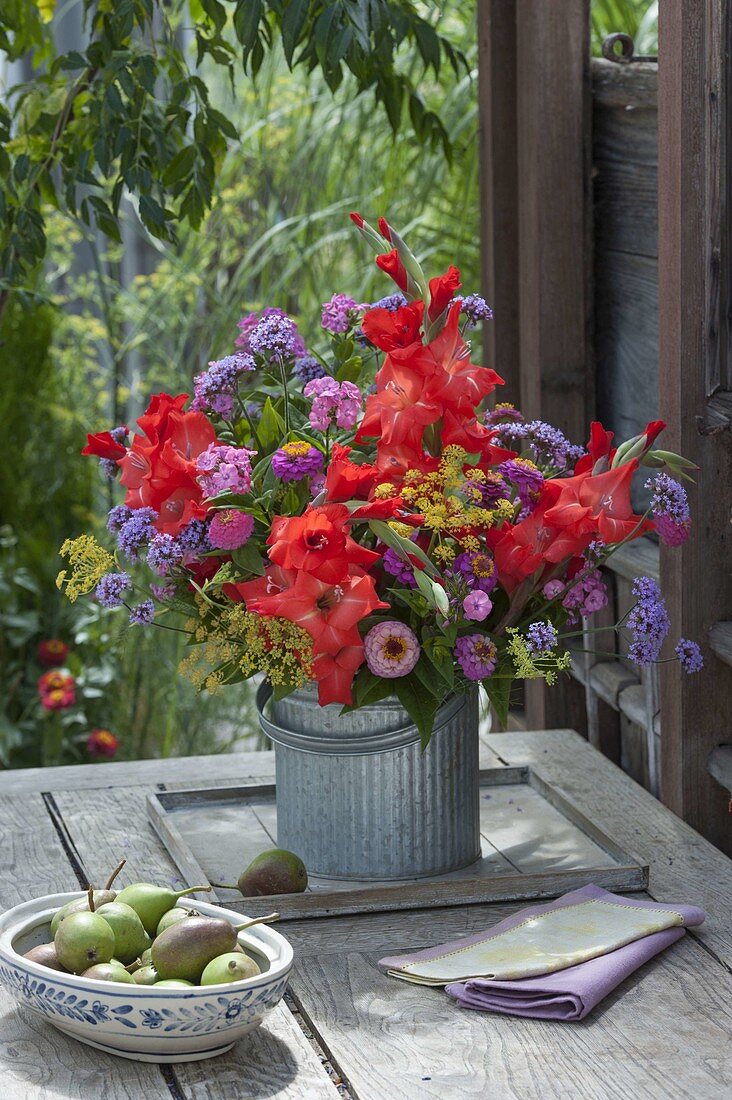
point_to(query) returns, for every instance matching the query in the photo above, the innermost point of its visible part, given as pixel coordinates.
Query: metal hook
(627, 49)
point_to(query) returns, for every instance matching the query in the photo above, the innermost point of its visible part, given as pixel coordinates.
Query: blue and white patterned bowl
(142, 1022)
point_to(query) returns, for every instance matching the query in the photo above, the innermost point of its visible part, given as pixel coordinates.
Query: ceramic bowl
(142, 1022)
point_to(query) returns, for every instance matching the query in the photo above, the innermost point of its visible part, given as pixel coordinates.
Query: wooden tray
(536, 844)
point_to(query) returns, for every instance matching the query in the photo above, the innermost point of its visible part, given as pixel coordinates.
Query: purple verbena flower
(215, 388)
(249, 322)
(690, 655)
(295, 461)
(475, 309)
(163, 554)
(274, 338)
(392, 302)
(477, 655)
(136, 531)
(398, 568)
(541, 637)
(120, 434)
(117, 517)
(307, 368)
(225, 469)
(547, 446)
(648, 622)
(391, 649)
(109, 468)
(193, 539)
(143, 613)
(111, 589)
(477, 569)
(670, 507)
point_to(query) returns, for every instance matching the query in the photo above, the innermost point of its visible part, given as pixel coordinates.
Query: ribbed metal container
(358, 799)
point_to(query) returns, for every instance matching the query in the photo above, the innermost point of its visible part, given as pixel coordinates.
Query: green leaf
(271, 427)
(248, 559)
(181, 166)
(420, 706)
(293, 22)
(404, 547)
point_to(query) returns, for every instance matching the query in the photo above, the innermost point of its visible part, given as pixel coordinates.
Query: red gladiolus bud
(384, 228)
(356, 219)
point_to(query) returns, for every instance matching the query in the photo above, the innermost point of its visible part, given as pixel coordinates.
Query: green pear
(82, 940)
(151, 902)
(274, 872)
(174, 983)
(184, 949)
(112, 971)
(172, 917)
(45, 954)
(146, 975)
(130, 938)
(146, 957)
(231, 967)
(101, 897)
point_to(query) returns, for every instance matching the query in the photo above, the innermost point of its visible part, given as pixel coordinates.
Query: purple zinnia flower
(504, 413)
(111, 589)
(215, 388)
(338, 313)
(477, 569)
(230, 529)
(541, 637)
(274, 337)
(225, 469)
(648, 622)
(492, 489)
(391, 649)
(143, 613)
(475, 309)
(670, 507)
(526, 476)
(163, 554)
(117, 517)
(329, 398)
(690, 655)
(477, 606)
(392, 302)
(136, 531)
(477, 655)
(398, 568)
(295, 461)
(307, 368)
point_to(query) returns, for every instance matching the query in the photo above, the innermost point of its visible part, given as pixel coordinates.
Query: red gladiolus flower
(345, 480)
(335, 673)
(317, 542)
(52, 652)
(328, 612)
(103, 446)
(598, 506)
(399, 411)
(442, 291)
(599, 450)
(390, 263)
(453, 382)
(102, 743)
(652, 431)
(159, 469)
(392, 329)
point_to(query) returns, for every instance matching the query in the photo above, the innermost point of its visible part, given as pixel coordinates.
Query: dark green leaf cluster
(129, 115)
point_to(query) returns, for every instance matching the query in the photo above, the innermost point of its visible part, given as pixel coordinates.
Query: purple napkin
(566, 994)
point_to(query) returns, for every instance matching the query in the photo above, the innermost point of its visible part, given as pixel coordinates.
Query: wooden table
(346, 1029)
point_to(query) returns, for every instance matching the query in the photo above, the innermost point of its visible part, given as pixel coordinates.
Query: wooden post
(694, 302)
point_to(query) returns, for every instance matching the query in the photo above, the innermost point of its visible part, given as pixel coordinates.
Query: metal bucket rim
(355, 746)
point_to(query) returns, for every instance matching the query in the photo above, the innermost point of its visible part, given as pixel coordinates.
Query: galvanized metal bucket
(358, 799)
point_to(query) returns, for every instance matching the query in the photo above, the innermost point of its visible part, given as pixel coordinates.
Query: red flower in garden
(400, 410)
(56, 690)
(318, 543)
(453, 382)
(442, 291)
(52, 652)
(597, 506)
(335, 673)
(390, 263)
(346, 480)
(103, 446)
(159, 469)
(328, 612)
(102, 743)
(392, 329)
(599, 450)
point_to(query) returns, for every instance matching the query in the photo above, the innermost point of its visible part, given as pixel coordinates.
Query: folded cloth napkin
(555, 960)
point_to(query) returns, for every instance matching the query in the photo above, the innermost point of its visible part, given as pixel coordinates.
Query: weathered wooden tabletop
(346, 1028)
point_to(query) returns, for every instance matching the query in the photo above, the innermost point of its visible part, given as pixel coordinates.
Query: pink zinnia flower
(102, 743)
(392, 649)
(230, 529)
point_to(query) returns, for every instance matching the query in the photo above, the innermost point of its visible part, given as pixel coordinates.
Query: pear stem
(193, 890)
(114, 874)
(269, 919)
(90, 896)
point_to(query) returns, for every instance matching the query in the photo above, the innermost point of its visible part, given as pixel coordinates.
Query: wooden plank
(662, 1035)
(720, 767)
(638, 558)
(37, 1061)
(627, 87)
(720, 641)
(107, 824)
(694, 261)
(683, 866)
(496, 27)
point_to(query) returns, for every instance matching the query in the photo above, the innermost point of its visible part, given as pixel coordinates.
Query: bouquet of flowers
(354, 517)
